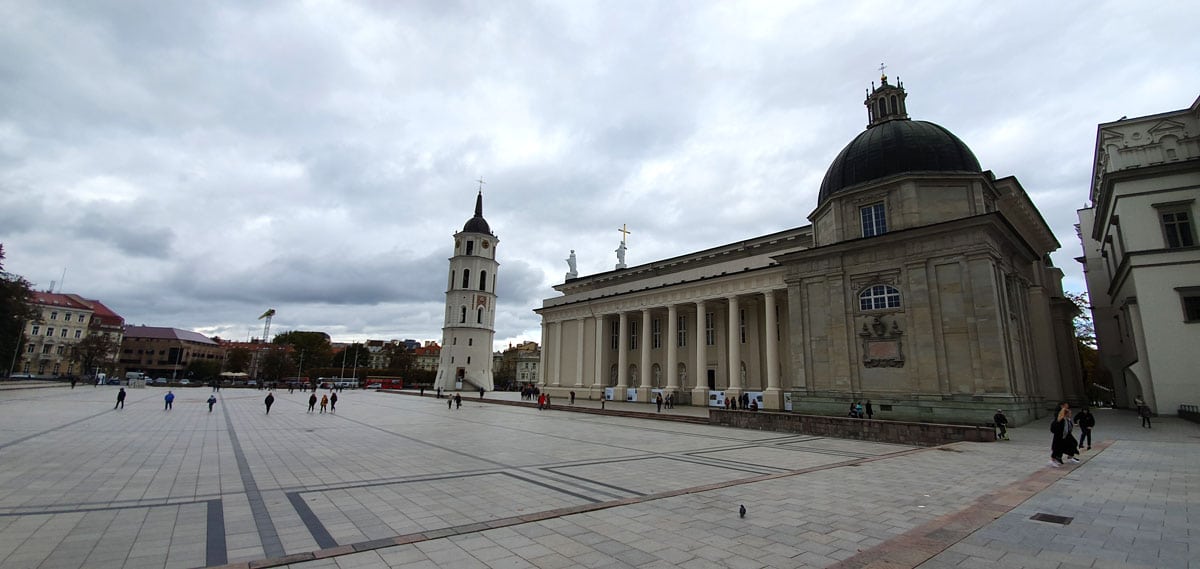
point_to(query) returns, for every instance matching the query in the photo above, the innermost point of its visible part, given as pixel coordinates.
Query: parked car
(184, 382)
(160, 381)
(112, 381)
(252, 383)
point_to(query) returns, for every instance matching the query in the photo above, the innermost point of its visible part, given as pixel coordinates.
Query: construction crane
(267, 327)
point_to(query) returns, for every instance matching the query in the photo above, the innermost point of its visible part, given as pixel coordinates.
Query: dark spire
(478, 224)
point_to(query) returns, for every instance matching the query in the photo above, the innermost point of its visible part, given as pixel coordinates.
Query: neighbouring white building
(924, 284)
(1142, 259)
(469, 328)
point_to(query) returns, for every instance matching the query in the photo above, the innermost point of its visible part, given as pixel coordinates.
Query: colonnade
(591, 365)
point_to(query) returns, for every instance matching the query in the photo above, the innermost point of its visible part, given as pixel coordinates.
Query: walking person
(422, 390)
(212, 400)
(1001, 423)
(449, 402)
(1060, 444)
(457, 401)
(120, 399)
(1086, 421)
(572, 398)
(167, 400)
(324, 402)
(658, 402)
(72, 382)
(1143, 411)
(312, 402)
(870, 410)
(269, 401)
(333, 403)
(481, 392)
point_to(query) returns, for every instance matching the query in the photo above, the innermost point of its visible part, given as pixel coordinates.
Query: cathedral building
(922, 283)
(469, 326)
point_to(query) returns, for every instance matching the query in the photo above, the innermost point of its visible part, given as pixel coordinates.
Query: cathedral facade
(923, 284)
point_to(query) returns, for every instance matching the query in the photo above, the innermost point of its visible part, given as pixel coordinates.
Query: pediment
(1166, 126)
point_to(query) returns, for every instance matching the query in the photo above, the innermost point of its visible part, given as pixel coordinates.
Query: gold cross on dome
(625, 231)
(481, 183)
(882, 76)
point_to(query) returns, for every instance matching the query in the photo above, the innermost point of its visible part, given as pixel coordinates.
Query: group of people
(327, 402)
(743, 401)
(1063, 443)
(529, 392)
(659, 400)
(858, 411)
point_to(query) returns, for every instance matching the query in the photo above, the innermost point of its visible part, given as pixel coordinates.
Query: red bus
(382, 382)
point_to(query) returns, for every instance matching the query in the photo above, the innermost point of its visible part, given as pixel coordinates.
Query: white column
(700, 391)
(558, 326)
(622, 356)
(545, 357)
(579, 352)
(735, 349)
(600, 379)
(645, 377)
(672, 351)
(773, 395)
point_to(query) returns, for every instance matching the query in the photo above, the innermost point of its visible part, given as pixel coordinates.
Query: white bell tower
(466, 360)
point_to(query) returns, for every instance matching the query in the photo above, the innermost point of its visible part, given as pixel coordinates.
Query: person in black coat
(270, 400)
(1086, 421)
(312, 402)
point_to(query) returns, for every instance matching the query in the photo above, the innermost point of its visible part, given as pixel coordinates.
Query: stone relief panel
(882, 344)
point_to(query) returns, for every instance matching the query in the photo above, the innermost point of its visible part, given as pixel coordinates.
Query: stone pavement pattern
(83, 485)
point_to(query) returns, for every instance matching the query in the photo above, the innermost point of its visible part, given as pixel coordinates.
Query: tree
(203, 370)
(276, 365)
(354, 355)
(15, 311)
(237, 360)
(93, 352)
(1085, 331)
(401, 361)
(314, 347)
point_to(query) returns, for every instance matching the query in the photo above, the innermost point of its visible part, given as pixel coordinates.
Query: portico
(718, 331)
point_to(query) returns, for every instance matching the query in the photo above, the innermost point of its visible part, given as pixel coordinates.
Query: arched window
(466, 278)
(479, 316)
(895, 107)
(882, 107)
(879, 297)
(482, 280)
(470, 341)
(463, 316)
(470, 246)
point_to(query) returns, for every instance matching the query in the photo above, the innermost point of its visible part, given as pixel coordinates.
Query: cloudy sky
(192, 164)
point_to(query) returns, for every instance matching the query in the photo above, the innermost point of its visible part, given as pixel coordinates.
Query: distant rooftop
(161, 333)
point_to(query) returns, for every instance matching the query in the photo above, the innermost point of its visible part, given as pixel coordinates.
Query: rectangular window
(78, 334)
(1177, 227)
(67, 316)
(35, 330)
(59, 350)
(656, 333)
(682, 332)
(633, 334)
(710, 334)
(1190, 297)
(46, 348)
(29, 349)
(64, 333)
(49, 331)
(616, 335)
(873, 220)
(80, 318)
(742, 325)
(54, 315)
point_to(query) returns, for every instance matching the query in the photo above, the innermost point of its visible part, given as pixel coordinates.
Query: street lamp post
(300, 366)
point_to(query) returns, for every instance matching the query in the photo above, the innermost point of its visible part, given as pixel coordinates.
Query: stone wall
(899, 432)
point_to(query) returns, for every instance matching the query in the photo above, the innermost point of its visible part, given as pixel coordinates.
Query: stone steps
(576, 409)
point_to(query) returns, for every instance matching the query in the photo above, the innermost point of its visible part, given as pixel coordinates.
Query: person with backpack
(168, 399)
(212, 400)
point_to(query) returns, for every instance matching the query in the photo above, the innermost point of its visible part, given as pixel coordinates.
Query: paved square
(400, 481)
